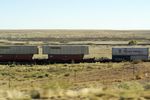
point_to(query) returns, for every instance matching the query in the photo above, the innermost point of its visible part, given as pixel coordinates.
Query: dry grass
(68, 80)
(122, 91)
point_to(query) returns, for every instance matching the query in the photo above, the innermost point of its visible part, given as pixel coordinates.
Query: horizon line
(71, 29)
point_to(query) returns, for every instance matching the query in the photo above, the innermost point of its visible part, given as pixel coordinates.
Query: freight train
(68, 53)
(58, 53)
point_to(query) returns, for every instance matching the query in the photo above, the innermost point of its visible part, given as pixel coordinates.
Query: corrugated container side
(56, 49)
(18, 50)
(130, 51)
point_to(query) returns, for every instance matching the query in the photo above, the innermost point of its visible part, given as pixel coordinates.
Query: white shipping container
(18, 50)
(130, 51)
(64, 49)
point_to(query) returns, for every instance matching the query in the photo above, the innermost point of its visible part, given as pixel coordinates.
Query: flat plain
(82, 81)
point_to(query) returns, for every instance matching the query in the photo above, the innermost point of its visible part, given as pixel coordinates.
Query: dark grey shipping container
(130, 54)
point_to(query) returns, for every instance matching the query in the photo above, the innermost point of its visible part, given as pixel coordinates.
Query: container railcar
(17, 53)
(68, 53)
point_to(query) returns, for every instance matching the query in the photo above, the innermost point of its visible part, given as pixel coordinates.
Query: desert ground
(82, 81)
(73, 36)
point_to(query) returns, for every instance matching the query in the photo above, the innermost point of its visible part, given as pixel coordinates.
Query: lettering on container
(132, 51)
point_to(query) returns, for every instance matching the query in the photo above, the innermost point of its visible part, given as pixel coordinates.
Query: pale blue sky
(75, 14)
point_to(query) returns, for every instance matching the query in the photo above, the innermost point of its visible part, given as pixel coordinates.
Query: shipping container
(65, 53)
(18, 50)
(130, 54)
(17, 53)
(64, 49)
